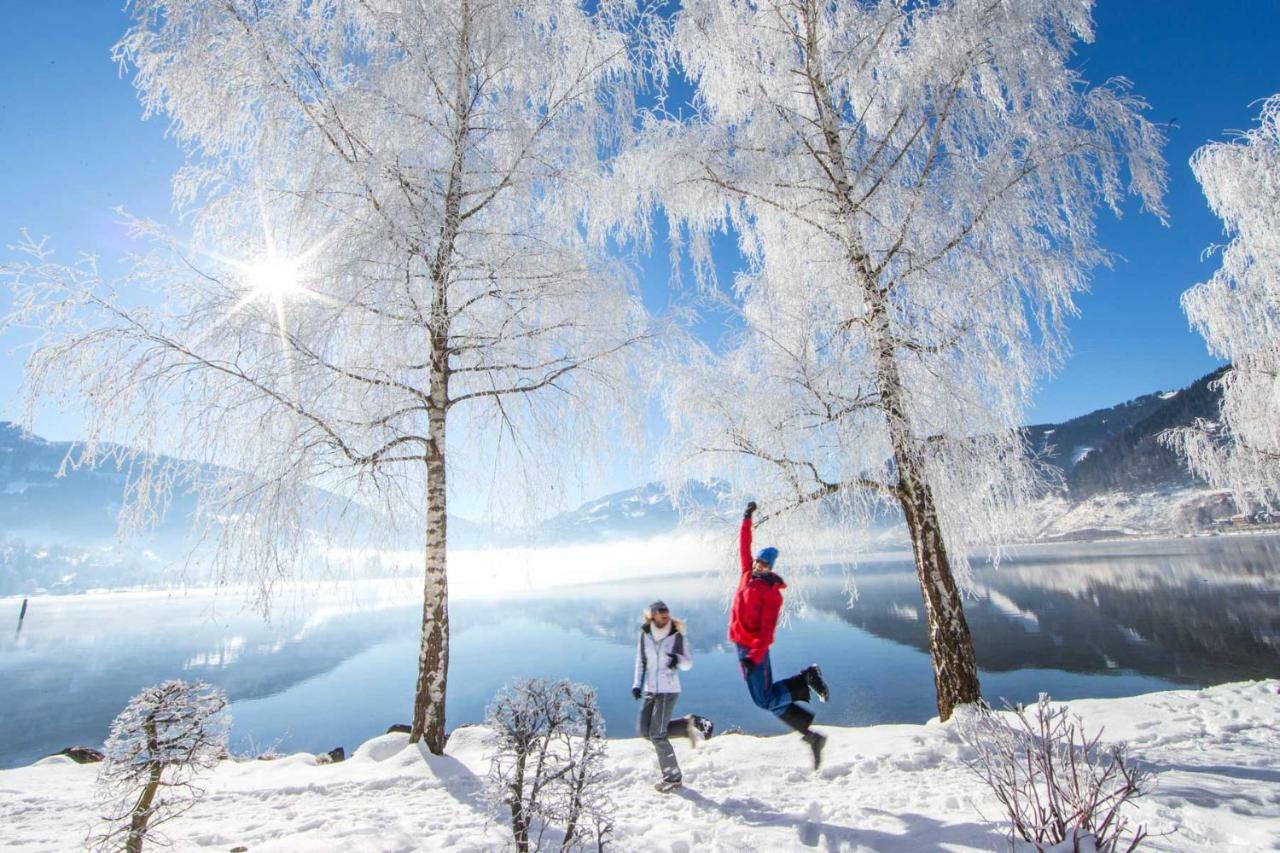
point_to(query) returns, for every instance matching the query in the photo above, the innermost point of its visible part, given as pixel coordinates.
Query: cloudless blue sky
(73, 146)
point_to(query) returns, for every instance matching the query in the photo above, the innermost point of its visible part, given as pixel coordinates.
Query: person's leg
(646, 714)
(757, 678)
(769, 694)
(663, 704)
(777, 696)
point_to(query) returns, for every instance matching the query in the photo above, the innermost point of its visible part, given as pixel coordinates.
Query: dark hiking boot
(797, 718)
(816, 743)
(813, 678)
(705, 726)
(668, 785)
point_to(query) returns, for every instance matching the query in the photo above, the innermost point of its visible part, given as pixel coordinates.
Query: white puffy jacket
(653, 673)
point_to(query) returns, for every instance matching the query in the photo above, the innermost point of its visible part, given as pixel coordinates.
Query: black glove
(751, 508)
(635, 693)
(672, 660)
(748, 665)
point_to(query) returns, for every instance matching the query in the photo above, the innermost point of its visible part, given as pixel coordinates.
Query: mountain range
(58, 533)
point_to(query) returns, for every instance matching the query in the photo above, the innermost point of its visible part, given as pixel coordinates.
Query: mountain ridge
(59, 533)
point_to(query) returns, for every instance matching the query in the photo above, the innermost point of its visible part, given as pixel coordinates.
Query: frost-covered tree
(159, 745)
(547, 766)
(393, 280)
(914, 188)
(1238, 312)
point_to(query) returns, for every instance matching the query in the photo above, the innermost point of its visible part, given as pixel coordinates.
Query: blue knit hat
(768, 556)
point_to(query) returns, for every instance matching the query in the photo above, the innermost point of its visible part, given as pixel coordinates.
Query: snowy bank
(896, 788)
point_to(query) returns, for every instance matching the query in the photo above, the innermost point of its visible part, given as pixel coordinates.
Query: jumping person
(660, 652)
(755, 615)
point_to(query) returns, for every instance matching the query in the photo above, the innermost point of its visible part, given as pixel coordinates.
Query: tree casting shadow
(921, 833)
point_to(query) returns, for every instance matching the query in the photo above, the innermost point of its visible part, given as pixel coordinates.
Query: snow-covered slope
(883, 788)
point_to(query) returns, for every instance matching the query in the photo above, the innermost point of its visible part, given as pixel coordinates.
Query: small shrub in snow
(1062, 790)
(159, 744)
(547, 766)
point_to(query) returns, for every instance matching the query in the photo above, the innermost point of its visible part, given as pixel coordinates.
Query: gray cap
(658, 605)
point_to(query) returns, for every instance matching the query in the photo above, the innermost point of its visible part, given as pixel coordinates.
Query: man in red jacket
(756, 605)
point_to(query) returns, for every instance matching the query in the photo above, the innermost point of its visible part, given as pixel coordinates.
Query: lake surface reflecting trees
(337, 667)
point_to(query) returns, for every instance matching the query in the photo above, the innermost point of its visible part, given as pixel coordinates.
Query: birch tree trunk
(433, 656)
(955, 665)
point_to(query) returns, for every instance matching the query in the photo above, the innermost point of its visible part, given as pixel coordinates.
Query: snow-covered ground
(895, 788)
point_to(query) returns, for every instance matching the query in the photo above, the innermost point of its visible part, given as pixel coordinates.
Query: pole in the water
(22, 614)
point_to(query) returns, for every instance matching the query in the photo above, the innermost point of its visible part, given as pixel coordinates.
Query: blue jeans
(776, 696)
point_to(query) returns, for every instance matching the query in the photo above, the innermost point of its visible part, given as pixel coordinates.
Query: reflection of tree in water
(1203, 614)
(1193, 611)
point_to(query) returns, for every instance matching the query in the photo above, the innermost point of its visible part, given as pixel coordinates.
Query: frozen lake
(334, 669)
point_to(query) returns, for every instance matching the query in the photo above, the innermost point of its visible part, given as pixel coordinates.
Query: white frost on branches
(423, 170)
(395, 279)
(1238, 312)
(546, 770)
(159, 745)
(914, 188)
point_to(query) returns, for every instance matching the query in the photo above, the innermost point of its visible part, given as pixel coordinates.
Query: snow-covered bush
(547, 766)
(1061, 788)
(159, 744)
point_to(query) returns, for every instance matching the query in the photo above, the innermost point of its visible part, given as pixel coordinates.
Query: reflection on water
(1101, 620)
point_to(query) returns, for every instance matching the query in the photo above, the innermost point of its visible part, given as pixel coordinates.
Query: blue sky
(74, 146)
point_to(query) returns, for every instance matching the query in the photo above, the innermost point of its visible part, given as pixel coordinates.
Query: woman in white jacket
(661, 653)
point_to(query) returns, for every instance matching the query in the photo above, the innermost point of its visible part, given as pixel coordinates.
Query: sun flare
(273, 277)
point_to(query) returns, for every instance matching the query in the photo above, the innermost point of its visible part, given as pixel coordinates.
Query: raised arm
(744, 538)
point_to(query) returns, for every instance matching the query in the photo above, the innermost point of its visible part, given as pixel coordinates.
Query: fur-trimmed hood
(677, 625)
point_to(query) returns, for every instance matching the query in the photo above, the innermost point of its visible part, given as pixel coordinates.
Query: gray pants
(655, 724)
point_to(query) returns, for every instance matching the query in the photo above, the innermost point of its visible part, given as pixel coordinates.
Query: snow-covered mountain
(647, 510)
(58, 534)
(1118, 448)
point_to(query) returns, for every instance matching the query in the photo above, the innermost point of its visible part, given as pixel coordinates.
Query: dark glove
(748, 665)
(635, 693)
(672, 660)
(751, 508)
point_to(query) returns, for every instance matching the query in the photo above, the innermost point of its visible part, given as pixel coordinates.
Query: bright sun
(273, 277)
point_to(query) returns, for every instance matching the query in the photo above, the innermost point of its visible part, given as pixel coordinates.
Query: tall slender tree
(392, 275)
(914, 188)
(1238, 312)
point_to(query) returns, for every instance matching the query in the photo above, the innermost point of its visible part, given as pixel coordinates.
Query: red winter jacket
(756, 603)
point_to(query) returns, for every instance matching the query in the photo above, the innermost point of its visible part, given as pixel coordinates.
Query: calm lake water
(1100, 620)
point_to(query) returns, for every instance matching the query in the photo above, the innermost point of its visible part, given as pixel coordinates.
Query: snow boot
(668, 785)
(813, 678)
(816, 743)
(699, 728)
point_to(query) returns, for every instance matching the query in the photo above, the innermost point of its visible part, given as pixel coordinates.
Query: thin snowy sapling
(1060, 788)
(394, 274)
(546, 770)
(159, 745)
(1238, 312)
(914, 189)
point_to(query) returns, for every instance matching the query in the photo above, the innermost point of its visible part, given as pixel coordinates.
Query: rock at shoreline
(82, 754)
